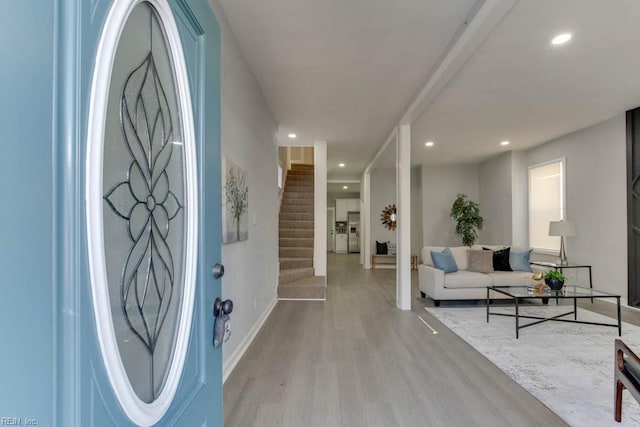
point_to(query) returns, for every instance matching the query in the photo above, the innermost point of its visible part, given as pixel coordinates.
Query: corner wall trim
(230, 364)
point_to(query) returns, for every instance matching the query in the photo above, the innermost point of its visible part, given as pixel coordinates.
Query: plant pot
(554, 284)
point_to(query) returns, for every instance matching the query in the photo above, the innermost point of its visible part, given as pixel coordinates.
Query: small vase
(554, 284)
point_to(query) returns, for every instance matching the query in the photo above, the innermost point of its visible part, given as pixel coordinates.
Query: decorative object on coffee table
(562, 229)
(539, 289)
(554, 280)
(467, 215)
(561, 267)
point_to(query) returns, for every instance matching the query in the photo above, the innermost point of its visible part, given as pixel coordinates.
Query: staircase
(296, 279)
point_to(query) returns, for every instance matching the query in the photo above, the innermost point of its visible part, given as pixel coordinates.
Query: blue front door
(115, 127)
(152, 193)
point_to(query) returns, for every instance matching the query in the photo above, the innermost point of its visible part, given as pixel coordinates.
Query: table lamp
(562, 229)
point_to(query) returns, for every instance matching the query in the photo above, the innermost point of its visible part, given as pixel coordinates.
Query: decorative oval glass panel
(141, 206)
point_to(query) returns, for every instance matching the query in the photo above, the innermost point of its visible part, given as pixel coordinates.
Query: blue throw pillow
(444, 261)
(391, 248)
(519, 261)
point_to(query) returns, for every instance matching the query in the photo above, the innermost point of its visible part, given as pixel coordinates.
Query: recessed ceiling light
(345, 187)
(293, 136)
(561, 38)
(429, 144)
(341, 165)
(504, 143)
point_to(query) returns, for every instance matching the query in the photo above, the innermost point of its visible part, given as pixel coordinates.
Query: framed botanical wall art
(235, 203)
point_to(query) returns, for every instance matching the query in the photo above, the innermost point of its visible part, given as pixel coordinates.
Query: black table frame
(557, 318)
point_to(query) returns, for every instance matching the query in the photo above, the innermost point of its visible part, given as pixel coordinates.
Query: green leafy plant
(554, 275)
(467, 214)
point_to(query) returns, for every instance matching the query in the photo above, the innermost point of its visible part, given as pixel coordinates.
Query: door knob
(217, 271)
(222, 307)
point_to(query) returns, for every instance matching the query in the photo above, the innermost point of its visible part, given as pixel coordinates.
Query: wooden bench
(391, 261)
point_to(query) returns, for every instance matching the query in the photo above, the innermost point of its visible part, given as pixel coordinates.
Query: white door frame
(331, 230)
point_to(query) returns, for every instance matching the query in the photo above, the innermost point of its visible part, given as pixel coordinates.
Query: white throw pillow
(460, 255)
(426, 254)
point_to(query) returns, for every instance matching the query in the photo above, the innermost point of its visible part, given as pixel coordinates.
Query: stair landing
(309, 288)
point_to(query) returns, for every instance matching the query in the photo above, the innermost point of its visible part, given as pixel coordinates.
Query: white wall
(495, 200)
(383, 194)
(416, 210)
(331, 197)
(520, 199)
(503, 199)
(596, 199)
(248, 139)
(320, 208)
(440, 185)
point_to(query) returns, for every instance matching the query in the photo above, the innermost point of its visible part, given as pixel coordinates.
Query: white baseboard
(302, 299)
(231, 363)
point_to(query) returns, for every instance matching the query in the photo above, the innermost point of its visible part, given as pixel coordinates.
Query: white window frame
(563, 200)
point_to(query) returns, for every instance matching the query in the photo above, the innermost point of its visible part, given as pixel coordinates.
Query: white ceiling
(346, 72)
(518, 87)
(338, 187)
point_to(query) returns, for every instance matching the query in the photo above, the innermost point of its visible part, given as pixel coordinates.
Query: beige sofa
(464, 284)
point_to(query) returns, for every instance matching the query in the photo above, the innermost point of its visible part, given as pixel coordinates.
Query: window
(546, 202)
(280, 177)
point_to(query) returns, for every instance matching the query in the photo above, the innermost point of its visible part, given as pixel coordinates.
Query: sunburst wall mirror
(388, 217)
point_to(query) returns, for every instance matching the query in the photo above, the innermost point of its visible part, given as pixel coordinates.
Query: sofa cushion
(426, 254)
(461, 257)
(459, 254)
(508, 278)
(466, 279)
(480, 261)
(444, 261)
(381, 248)
(500, 259)
(492, 247)
(519, 261)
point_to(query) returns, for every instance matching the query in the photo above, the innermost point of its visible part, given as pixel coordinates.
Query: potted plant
(554, 279)
(467, 214)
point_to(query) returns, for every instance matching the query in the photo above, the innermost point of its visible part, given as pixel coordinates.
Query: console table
(375, 260)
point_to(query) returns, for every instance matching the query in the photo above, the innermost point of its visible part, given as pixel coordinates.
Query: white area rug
(568, 367)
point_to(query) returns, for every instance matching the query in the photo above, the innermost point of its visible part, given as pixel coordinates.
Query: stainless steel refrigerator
(353, 227)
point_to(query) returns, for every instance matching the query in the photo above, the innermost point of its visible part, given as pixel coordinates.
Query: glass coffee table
(520, 294)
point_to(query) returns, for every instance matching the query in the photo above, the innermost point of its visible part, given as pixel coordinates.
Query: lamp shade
(562, 228)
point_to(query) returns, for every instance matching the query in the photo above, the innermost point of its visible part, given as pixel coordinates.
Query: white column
(403, 208)
(365, 222)
(320, 208)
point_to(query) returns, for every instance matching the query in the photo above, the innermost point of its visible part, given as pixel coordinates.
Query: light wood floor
(356, 360)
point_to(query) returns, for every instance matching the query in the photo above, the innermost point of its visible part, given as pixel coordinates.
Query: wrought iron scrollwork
(146, 203)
